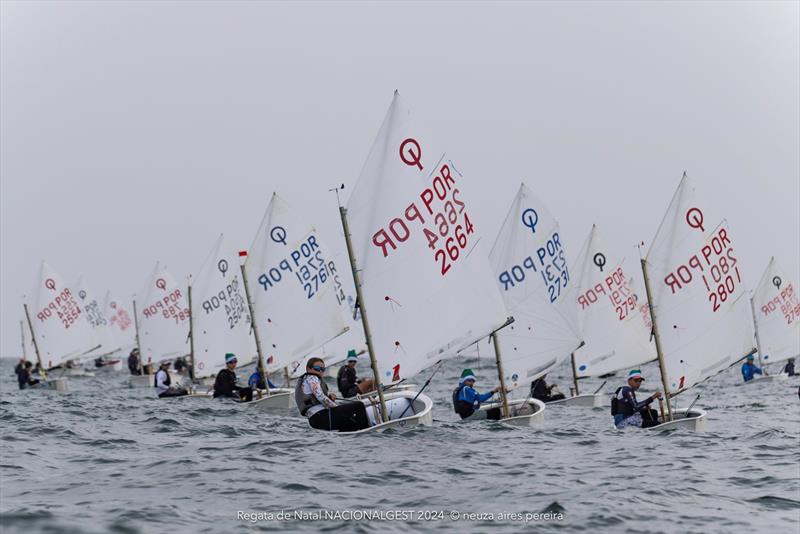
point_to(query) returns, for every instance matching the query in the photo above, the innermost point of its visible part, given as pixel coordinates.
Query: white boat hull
(278, 399)
(695, 421)
(590, 401)
(524, 412)
(763, 379)
(398, 403)
(147, 381)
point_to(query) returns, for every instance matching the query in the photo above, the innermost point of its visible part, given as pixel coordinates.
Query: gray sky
(131, 132)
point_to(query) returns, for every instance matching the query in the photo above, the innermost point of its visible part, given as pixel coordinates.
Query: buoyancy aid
(305, 401)
(461, 407)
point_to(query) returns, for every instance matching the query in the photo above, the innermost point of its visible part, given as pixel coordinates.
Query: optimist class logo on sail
(715, 265)
(442, 218)
(548, 261)
(63, 305)
(786, 301)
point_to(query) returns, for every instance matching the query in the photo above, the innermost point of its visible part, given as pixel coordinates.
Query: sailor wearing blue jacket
(465, 399)
(749, 369)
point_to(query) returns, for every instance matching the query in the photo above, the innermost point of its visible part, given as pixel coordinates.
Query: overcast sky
(136, 132)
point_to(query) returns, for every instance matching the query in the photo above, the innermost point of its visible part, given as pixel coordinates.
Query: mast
(138, 345)
(42, 369)
(191, 333)
(574, 373)
(262, 368)
(755, 327)
(501, 374)
(661, 365)
(365, 323)
(22, 338)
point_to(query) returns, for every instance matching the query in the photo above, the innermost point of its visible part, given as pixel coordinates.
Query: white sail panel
(163, 318)
(60, 330)
(93, 312)
(291, 287)
(699, 302)
(119, 315)
(776, 308)
(530, 265)
(613, 313)
(427, 284)
(335, 351)
(220, 317)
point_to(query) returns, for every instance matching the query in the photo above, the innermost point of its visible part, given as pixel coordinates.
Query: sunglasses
(637, 379)
(231, 361)
(318, 369)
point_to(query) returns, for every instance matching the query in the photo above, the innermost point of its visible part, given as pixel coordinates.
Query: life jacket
(620, 406)
(461, 407)
(167, 381)
(305, 401)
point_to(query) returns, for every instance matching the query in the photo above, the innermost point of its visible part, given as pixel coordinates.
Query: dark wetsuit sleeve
(627, 394)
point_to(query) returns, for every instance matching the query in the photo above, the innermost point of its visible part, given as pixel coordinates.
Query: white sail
(530, 266)
(613, 313)
(61, 331)
(93, 312)
(290, 281)
(163, 318)
(335, 351)
(427, 284)
(699, 302)
(119, 315)
(220, 317)
(776, 309)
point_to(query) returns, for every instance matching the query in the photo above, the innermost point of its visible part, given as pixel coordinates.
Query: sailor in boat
(24, 378)
(627, 410)
(256, 381)
(789, 368)
(319, 406)
(20, 366)
(180, 365)
(226, 383)
(466, 401)
(133, 362)
(163, 383)
(542, 391)
(749, 369)
(348, 382)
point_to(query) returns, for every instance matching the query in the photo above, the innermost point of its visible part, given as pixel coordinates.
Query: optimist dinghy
(417, 265)
(289, 283)
(59, 332)
(521, 412)
(703, 325)
(775, 306)
(532, 274)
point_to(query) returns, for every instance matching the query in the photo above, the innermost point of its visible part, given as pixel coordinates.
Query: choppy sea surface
(108, 458)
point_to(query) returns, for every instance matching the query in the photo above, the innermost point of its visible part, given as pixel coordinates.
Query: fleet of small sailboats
(422, 288)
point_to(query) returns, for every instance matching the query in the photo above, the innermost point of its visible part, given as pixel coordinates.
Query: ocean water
(107, 458)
